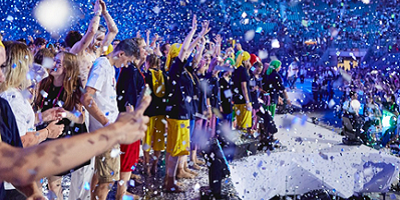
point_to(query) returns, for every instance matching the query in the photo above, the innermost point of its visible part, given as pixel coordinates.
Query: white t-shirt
(23, 113)
(102, 79)
(22, 110)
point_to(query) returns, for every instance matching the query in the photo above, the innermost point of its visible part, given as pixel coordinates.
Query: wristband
(247, 101)
(108, 123)
(208, 106)
(98, 13)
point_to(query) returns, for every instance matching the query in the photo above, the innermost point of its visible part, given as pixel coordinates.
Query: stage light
(53, 14)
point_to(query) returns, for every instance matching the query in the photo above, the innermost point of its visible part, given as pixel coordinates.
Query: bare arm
(112, 27)
(88, 37)
(245, 92)
(90, 105)
(218, 41)
(22, 166)
(77, 119)
(185, 46)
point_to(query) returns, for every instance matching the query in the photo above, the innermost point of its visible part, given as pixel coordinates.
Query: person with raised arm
(179, 107)
(95, 41)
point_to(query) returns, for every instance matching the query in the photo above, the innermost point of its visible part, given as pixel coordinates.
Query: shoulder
(101, 62)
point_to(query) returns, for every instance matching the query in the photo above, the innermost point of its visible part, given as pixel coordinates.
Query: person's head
(152, 62)
(72, 38)
(42, 53)
(353, 95)
(16, 66)
(98, 38)
(40, 43)
(173, 53)
(126, 51)
(165, 49)
(141, 46)
(258, 68)
(66, 68)
(207, 58)
(274, 65)
(391, 98)
(115, 43)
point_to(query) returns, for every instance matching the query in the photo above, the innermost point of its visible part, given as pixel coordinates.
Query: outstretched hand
(218, 39)
(194, 22)
(103, 6)
(205, 27)
(97, 7)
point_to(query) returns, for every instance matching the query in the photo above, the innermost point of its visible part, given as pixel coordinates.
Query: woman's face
(207, 59)
(58, 68)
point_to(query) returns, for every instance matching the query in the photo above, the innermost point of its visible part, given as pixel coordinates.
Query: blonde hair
(16, 67)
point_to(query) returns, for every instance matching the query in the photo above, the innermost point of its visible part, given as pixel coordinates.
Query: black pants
(302, 78)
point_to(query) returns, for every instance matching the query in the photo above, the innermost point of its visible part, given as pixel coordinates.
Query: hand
(280, 101)
(138, 35)
(194, 22)
(30, 38)
(103, 7)
(204, 28)
(53, 114)
(156, 37)
(218, 39)
(131, 126)
(249, 107)
(36, 196)
(288, 102)
(97, 7)
(55, 130)
(148, 32)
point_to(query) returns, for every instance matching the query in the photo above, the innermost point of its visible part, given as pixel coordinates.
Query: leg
(101, 191)
(181, 172)
(146, 155)
(156, 156)
(122, 186)
(172, 165)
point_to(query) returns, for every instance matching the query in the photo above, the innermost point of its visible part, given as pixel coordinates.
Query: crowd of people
(52, 95)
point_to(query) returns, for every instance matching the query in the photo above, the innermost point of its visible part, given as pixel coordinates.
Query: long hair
(153, 61)
(16, 67)
(71, 82)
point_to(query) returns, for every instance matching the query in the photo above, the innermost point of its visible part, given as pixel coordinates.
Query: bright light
(53, 14)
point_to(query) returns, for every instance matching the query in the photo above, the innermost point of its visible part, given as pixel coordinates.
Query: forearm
(245, 93)
(34, 138)
(79, 120)
(93, 109)
(217, 50)
(185, 45)
(112, 27)
(33, 163)
(199, 54)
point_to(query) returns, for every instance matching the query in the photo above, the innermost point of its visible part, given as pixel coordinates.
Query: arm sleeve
(97, 76)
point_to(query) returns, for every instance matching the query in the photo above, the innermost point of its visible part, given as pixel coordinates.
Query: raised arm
(205, 29)
(199, 52)
(22, 166)
(88, 37)
(112, 27)
(183, 54)
(217, 49)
